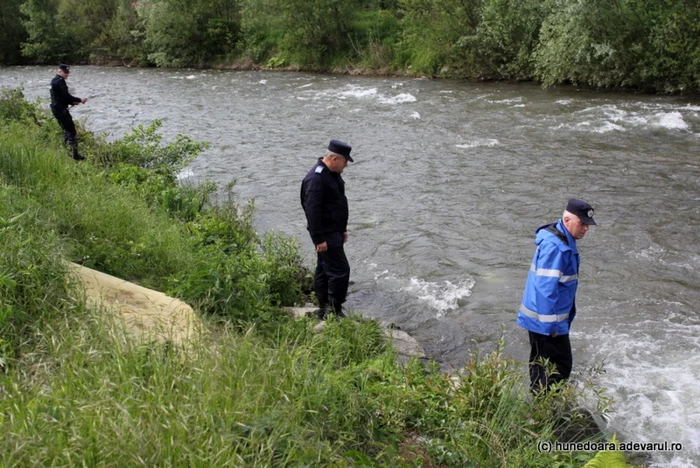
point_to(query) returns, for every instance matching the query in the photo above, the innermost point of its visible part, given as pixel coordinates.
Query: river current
(450, 181)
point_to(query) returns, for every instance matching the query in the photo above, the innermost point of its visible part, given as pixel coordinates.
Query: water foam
(609, 127)
(185, 174)
(505, 101)
(441, 296)
(489, 142)
(669, 120)
(653, 374)
(609, 118)
(399, 99)
(358, 92)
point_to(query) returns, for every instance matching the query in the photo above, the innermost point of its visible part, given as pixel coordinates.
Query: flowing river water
(450, 181)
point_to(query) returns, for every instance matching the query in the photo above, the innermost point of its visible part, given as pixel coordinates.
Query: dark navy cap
(338, 147)
(581, 209)
(63, 67)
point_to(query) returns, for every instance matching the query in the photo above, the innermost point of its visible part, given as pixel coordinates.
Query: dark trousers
(332, 272)
(555, 349)
(65, 120)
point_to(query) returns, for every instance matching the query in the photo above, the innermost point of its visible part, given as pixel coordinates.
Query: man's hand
(322, 247)
(83, 100)
(345, 237)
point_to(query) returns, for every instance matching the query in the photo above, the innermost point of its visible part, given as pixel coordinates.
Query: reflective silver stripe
(552, 274)
(543, 318)
(564, 279)
(545, 272)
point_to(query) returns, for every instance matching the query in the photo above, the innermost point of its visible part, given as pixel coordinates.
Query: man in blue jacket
(61, 98)
(326, 208)
(548, 306)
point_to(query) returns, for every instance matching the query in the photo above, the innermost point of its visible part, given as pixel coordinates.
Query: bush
(15, 108)
(129, 217)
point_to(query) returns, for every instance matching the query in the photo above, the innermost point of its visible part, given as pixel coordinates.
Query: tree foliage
(640, 44)
(433, 31)
(182, 33)
(45, 41)
(308, 32)
(12, 33)
(507, 34)
(122, 38)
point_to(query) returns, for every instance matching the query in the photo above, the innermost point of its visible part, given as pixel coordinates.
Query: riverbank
(262, 389)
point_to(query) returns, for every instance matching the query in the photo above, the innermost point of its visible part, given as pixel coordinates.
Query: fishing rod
(92, 96)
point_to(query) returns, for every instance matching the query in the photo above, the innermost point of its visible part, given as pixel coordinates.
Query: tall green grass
(86, 395)
(31, 272)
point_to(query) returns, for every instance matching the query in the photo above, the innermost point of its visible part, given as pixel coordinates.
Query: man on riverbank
(326, 208)
(60, 100)
(549, 300)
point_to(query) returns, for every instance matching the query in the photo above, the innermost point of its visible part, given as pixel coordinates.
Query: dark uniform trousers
(332, 272)
(64, 118)
(555, 349)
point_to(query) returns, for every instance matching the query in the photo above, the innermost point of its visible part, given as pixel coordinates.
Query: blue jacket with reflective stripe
(548, 303)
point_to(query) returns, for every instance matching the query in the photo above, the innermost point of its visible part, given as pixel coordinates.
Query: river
(450, 181)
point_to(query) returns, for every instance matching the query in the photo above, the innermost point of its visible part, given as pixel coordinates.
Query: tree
(84, 21)
(670, 58)
(306, 32)
(12, 32)
(189, 32)
(505, 38)
(45, 41)
(433, 30)
(122, 38)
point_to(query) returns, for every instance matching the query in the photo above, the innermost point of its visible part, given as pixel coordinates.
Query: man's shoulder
(317, 172)
(549, 235)
(57, 79)
(549, 242)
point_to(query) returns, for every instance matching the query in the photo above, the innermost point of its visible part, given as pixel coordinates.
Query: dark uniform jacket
(60, 97)
(324, 202)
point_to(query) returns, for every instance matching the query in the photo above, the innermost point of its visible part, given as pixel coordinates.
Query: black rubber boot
(73, 144)
(338, 310)
(322, 312)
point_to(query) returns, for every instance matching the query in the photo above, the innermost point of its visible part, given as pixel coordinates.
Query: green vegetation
(650, 45)
(260, 389)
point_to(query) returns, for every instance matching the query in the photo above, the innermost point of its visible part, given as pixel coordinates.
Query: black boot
(338, 309)
(322, 312)
(74, 148)
(77, 156)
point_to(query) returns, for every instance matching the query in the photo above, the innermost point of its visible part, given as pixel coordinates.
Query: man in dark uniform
(326, 208)
(60, 100)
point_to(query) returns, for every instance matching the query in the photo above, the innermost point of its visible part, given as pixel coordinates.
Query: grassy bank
(261, 389)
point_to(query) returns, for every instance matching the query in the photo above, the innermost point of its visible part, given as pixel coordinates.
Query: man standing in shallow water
(326, 208)
(61, 98)
(549, 301)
